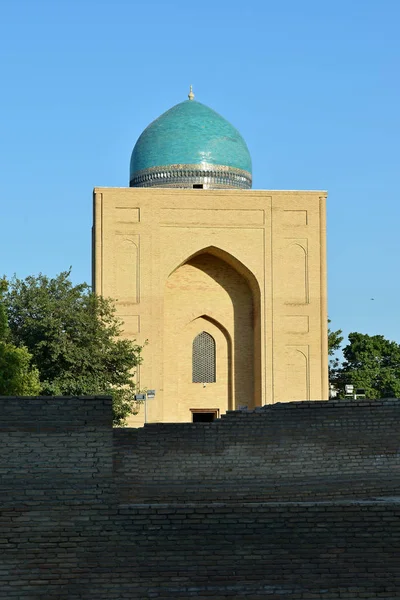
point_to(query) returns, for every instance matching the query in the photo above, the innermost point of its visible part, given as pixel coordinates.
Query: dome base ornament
(193, 176)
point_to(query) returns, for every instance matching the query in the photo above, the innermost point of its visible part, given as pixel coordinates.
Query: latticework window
(203, 358)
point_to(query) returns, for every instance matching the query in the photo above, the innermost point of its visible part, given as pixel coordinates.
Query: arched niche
(231, 260)
(297, 380)
(224, 294)
(126, 269)
(296, 274)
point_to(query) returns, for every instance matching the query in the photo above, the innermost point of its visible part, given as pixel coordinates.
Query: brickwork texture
(296, 501)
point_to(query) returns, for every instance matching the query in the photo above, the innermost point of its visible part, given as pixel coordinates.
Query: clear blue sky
(312, 86)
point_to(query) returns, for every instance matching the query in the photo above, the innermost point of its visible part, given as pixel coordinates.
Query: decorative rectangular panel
(296, 324)
(127, 214)
(131, 324)
(294, 218)
(212, 217)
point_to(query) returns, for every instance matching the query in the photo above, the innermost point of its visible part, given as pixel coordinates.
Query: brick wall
(70, 530)
(263, 550)
(60, 445)
(299, 450)
(55, 492)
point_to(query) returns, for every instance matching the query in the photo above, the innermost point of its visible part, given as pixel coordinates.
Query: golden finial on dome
(190, 94)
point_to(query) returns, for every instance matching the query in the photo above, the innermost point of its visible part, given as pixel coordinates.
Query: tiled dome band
(186, 176)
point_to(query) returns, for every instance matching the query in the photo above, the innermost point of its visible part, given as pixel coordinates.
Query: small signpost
(349, 391)
(149, 395)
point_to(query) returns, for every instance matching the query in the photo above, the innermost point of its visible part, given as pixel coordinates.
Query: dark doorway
(204, 415)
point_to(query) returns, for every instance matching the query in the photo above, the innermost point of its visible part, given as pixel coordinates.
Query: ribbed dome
(190, 145)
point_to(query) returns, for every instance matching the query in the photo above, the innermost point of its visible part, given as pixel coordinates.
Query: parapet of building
(297, 500)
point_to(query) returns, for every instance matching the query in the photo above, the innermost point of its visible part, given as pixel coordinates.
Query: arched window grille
(203, 358)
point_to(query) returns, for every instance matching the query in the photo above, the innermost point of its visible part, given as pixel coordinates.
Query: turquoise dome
(190, 145)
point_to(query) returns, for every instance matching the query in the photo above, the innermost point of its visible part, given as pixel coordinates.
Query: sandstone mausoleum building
(227, 283)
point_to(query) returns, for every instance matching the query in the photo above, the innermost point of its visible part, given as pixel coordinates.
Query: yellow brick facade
(246, 266)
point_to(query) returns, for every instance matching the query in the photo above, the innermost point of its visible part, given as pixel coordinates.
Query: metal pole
(145, 409)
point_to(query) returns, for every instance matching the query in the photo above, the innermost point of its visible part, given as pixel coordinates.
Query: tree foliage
(17, 375)
(335, 338)
(371, 363)
(74, 337)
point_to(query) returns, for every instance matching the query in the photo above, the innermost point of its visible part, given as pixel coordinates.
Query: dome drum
(192, 176)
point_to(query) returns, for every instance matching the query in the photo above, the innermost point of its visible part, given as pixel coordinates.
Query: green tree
(335, 338)
(371, 363)
(74, 337)
(17, 375)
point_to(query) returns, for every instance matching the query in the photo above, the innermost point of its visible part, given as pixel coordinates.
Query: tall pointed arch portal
(211, 300)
